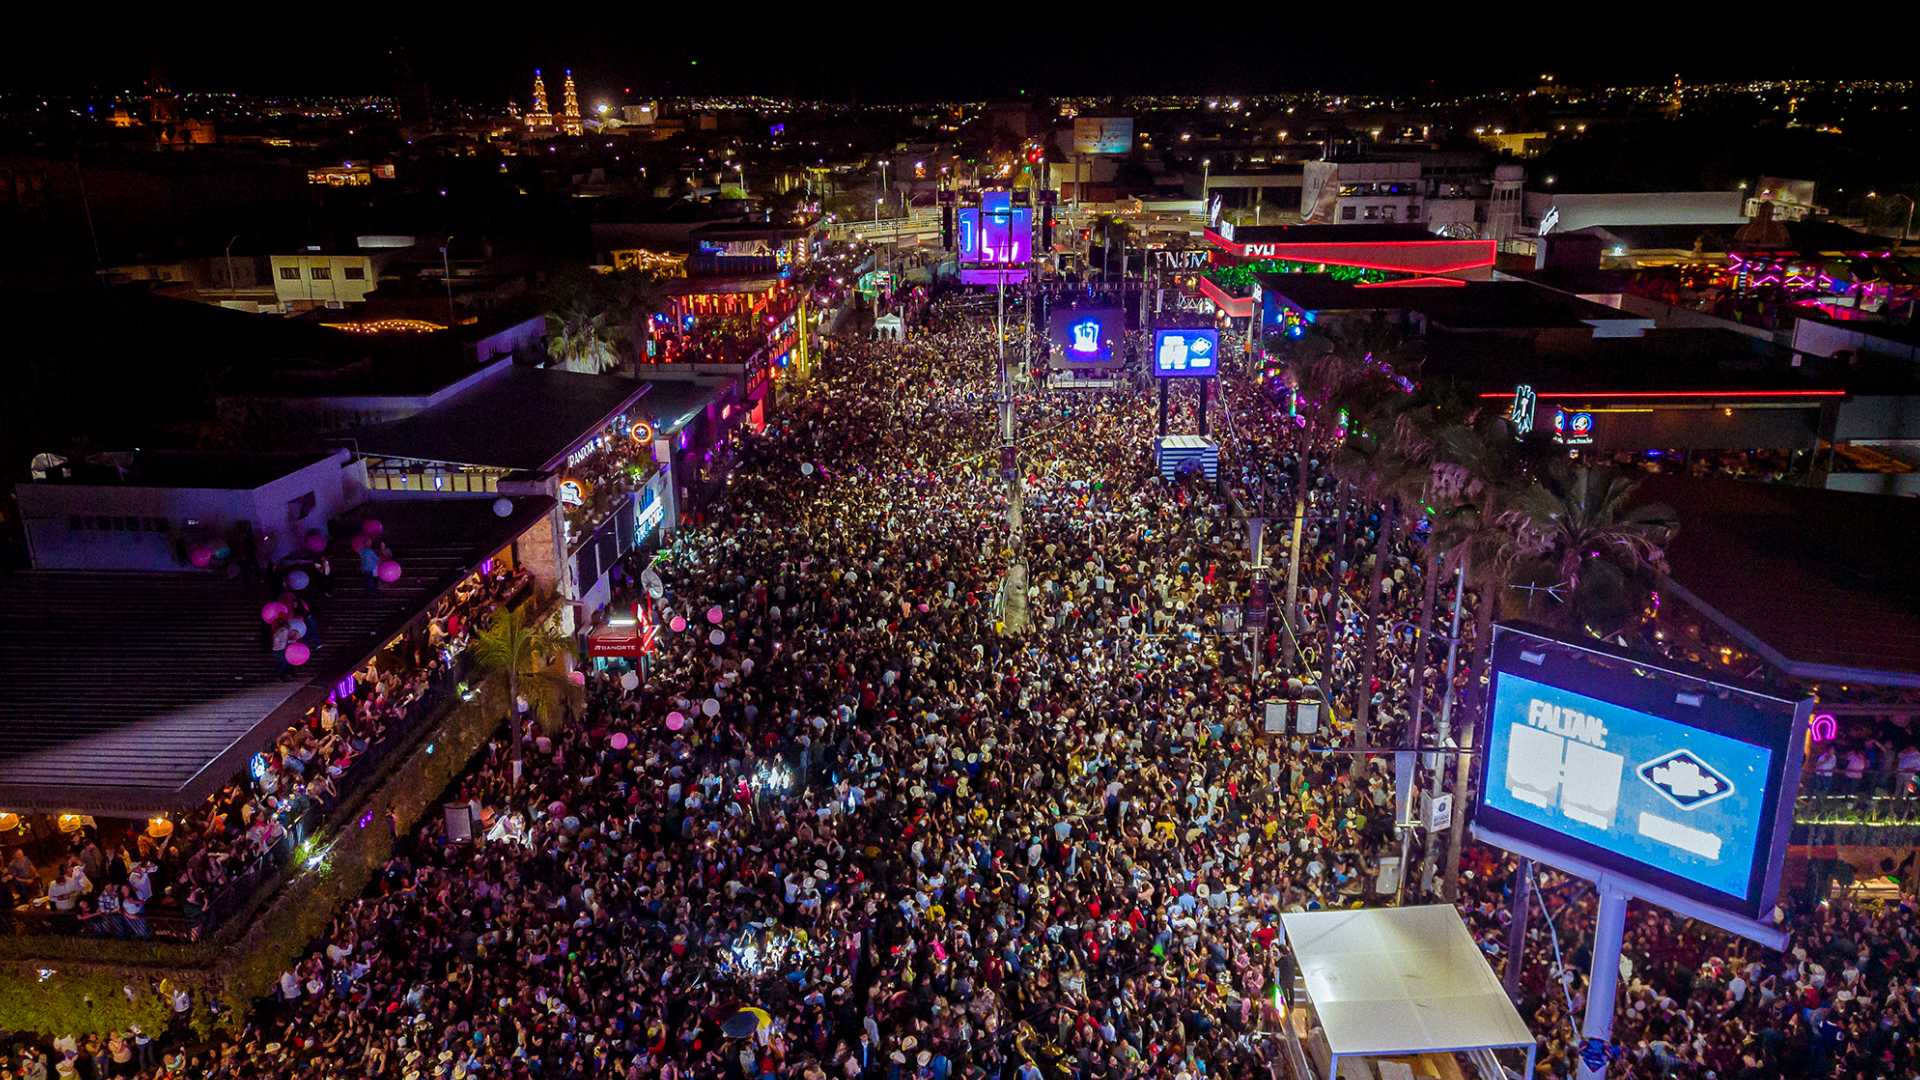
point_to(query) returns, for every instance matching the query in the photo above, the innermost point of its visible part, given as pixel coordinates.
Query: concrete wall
(1816, 338)
(1648, 208)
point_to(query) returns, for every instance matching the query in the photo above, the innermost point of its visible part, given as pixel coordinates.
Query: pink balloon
(298, 653)
(372, 527)
(619, 740)
(389, 571)
(273, 611)
(201, 556)
(556, 808)
(676, 721)
(922, 607)
(316, 541)
(714, 614)
(359, 542)
(579, 678)
(677, 623)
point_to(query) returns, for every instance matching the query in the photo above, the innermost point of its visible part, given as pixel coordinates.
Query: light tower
(570, 108)
(539, 117)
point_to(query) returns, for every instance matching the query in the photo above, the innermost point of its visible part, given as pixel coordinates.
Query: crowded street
(848, 803)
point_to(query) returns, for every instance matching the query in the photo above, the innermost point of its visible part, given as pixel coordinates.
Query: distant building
(321, 280)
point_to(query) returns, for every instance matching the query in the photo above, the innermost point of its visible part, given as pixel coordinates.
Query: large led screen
(1665, 780)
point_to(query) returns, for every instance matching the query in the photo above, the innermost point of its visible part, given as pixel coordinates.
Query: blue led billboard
(1186, 354)
(1658, 792)
(1618, 765)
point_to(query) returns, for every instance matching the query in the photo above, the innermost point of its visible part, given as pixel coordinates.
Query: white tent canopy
(1401, 981)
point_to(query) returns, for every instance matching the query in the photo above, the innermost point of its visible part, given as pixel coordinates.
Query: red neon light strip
(1412, 283)
(1236, 307)
(1675, 394)
(1318, 251)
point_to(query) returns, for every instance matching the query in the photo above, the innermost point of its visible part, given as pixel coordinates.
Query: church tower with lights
(540, 118)
(570, 123)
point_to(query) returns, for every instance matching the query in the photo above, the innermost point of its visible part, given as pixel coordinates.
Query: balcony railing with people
(202, 887)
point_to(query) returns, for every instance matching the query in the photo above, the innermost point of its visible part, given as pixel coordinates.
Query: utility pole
(446, 275)
(1445, 730)
(1013, 595)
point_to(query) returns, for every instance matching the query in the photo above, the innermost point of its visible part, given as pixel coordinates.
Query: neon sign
(573, 492)
(1823, 727)
(1521, 414)
(1572, 428)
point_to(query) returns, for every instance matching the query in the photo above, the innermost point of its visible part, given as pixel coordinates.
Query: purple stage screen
(996, 231)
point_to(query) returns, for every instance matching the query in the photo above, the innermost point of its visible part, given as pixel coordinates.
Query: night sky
(1197, 48)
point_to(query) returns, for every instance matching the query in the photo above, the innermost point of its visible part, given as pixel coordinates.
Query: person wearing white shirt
(67, 890)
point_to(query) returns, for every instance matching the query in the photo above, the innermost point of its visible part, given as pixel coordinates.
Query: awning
(1401, 981)
(627, 637)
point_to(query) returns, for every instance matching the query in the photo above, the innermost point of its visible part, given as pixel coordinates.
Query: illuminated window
(1346, 213)
(355, 273)
(290, 273)
(319, 273)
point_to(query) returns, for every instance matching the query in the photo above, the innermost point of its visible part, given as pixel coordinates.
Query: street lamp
(446, 276)
(1206, 173)
(1908, 226)
(230, 243)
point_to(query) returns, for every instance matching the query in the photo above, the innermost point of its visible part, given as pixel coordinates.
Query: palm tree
(1479, 462)
(1317, 375)
(1370, 463)
(522, 649)
(1377, 464)
(596, 317)
(1575, 527)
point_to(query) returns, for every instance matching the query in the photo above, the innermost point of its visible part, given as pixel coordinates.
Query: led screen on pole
(1600, 761)
(1088, 335)
(1186, 354)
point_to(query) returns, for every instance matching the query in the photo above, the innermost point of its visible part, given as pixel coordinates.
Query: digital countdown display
(1087, 335)
(995, 232)
(1681, 786)
(1187, 353)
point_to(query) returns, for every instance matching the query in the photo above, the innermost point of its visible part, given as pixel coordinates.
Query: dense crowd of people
(852, 824)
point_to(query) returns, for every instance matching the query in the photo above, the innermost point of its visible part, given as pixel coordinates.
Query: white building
(144, 511)
(312, 278)
(1342, 192)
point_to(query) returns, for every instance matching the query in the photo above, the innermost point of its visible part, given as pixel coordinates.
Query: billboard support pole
(1517, 927)
(1603, 983)
(1203, 406)
(1163, 406)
